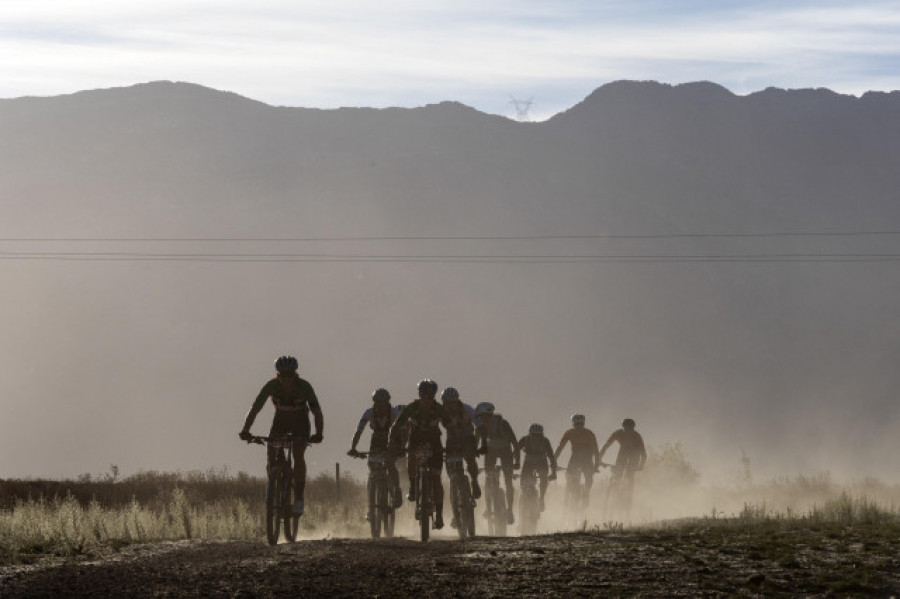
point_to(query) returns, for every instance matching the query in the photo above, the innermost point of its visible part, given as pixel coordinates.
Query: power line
(450, 258)
(455, 238)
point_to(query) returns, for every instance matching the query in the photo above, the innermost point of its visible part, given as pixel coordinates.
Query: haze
(402, 265)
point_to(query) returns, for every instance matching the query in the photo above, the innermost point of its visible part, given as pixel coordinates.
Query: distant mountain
(772, 356)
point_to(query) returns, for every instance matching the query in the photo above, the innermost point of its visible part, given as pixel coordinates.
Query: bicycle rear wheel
(499, 512)
(424, 504)
(527, 513)
(387, 522)
(461, 501)
(466, 511)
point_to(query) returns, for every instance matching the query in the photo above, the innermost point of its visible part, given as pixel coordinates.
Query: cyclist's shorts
(505, 458)
(293, 423)
(539, 467)
(576, 466)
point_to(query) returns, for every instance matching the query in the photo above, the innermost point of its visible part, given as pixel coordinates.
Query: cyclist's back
(539, 458)
(424, 416)
(498, 443)
(379, 419)
(632, 453)
(584, 445)
(585, 454)
(293, 399)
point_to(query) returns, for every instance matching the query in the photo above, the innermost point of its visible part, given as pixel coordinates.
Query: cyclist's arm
(606, 445)
(642, 450)
(521, 444)
(317, 413)
(594, 451)
(562, 444)
(258, 404)
(548, 451)
(366, 417)
(511, 438)
(481, 439)
(396, 434)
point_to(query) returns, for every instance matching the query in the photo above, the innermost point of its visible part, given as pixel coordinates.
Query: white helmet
(536, 429)
(577, 418)
(484, 407)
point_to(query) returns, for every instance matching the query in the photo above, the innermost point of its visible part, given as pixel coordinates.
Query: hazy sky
(331, 53)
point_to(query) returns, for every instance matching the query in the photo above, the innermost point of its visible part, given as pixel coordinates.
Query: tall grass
(78, 517)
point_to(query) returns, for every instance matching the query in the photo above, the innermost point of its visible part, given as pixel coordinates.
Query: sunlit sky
(331, 53)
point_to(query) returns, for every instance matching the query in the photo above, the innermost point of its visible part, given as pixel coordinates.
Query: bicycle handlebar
(275, 438)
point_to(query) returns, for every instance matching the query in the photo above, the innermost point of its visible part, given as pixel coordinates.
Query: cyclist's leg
(588, 481)
(411, 467)
(542, 471)
(469, 450)
(299, 470)
(437, 466)
(506, 460)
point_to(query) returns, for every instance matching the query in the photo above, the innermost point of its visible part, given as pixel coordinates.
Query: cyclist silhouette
(293, 399)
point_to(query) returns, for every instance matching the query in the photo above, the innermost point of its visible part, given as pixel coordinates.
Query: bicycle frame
(381, 509)
(529, 502)
(280, 488)
(425, 506)
(495, 499)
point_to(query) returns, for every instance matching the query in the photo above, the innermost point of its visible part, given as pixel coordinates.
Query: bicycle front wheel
(274, 507)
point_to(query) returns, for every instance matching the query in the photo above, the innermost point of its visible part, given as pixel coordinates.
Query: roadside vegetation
(94, 515)
(87, 516)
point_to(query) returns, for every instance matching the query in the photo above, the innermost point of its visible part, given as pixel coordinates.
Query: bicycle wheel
(387, 522)
(500, 513)
(291, 521)
(528, 513)
(273, 507)
(469, 518)
(424, 504)
(374, 506)
(460, 499)
(466, 509)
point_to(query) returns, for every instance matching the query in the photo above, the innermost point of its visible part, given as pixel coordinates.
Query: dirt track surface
(653, 564)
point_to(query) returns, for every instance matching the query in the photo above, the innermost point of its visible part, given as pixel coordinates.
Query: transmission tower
(522, 107)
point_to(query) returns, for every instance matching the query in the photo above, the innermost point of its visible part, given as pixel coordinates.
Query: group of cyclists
(470, 433)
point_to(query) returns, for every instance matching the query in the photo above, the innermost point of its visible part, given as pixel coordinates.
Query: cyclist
(379, 418)
(424, 417)
(460, 426)
(539, 458)
(498, 442)
(293, 399)
(585, 454)
(632, 454)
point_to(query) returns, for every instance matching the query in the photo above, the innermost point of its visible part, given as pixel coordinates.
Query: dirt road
(692, 562)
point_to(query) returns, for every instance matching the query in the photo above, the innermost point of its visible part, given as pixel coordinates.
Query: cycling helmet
(449, 394)
(577, 418)
(628, 423)
(484, 407)
(286, 364)
(381, 395)
(536, 429)
(427, 388)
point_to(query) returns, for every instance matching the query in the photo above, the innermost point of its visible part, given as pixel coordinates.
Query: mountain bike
(381, 494)
(576, 495)
(619, 490)
(280, 488)
(461, 500)
(529, 501)
(424, 490)
(495, 502)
